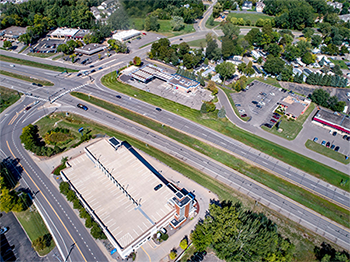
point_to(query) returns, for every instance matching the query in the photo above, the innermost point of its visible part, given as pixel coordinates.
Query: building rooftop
(66, 32)
(14, 31)
(81, 33)
(334, 118)
(124, 219)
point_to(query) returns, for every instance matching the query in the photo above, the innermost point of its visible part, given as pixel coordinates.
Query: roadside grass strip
(26, 78)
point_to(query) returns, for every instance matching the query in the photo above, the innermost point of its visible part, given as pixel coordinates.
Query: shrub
(184, 244)
(76, 204)
(172, 255)
(71, 196)
(97, 232)
(164, 237)
(88, 222)
(83, 213)
(64, 188)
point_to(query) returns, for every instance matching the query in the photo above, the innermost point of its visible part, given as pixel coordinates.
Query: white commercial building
(125, 35)
(125, 195)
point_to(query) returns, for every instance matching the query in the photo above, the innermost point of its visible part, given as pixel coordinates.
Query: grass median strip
(34, 64)
(327, 151)
(35, 227)
(225, 127)
(292, 191)
(26, 78)
(8, 97)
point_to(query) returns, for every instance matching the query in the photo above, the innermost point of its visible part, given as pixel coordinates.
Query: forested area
(236, 234)
(322, 98)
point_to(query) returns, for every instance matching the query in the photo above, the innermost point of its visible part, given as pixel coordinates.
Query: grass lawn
(197, 43)
(42, 55)
(26, 78)
(290, 128)
(225, 127)
(57, 57)
(211, 26)
(34, 64)
(269, 80)
(253, 16)
(165, 27)
(8, 97)
(294, 192)
(341, 63)
(326, 151)
(35, 227)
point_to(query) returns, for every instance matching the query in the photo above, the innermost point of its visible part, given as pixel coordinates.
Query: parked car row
(327, 144)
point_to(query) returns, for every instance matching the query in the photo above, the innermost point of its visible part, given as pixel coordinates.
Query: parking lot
(15, 246)
(163, 89)
(326, 136)
(258, 102)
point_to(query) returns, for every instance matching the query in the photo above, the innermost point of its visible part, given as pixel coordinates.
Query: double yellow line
(47, 202)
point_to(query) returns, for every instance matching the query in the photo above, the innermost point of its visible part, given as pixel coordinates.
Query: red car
(276, 117)
(273, 120)
(244, 115)
(144, 33)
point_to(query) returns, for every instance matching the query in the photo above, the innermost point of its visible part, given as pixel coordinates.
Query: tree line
(322, 98)
(95, 230)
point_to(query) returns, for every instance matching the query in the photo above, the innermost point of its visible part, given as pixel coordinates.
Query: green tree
(71, 196)
(274, 65)
(316, 40)
(7, 44)
(172, 255)
(7, 200)
(286, 40)
(64, 188)
(308, 58)
(177, 23)
(336, 70)
(184, 48)
(151, 23)
(88, 222)
(274, 49)
(184, 243)
(97, 232)
(230, 30)
(320, 97)
(225, 69)
(188, 61)
(217, 9)
(308, 32)
(137, 61)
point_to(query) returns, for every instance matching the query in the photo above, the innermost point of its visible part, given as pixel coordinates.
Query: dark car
(93, 71)
(156, 188)
(328, 144)
(82, 106)
(268, 125)
(79, 74)
(158, 109)
(238, 104)
(323, 142)
(100, 68)
(244, 115)
(28, 107)
(345, 137)
(336, 149)
(39, 84)
(276, 114)
(258, 106)
(34, 84)
(255, 102)
(315, 139)
(91, 66)
(334, 133)
(332, 147)
(180, 39)
(273, 120)
(348, 138)
(118, 96)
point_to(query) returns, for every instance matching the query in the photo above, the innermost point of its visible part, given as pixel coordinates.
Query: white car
(348, 94)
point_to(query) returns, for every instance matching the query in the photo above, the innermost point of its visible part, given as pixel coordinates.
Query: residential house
(345, 18)
(216, 79)
(247, 5)
(260, 6)
(258, 73)
(335, 5)
(210, 70)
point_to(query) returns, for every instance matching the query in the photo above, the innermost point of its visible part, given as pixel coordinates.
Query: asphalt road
(72, 238)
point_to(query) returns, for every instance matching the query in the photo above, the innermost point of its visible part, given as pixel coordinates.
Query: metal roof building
(125, 35)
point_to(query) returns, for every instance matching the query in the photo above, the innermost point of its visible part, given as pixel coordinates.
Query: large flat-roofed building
(64, 33)
(294, 106)
(90, 49)
(148, 72)
(126, 35)
(12, 33)
(124, 194)
(332, 120)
